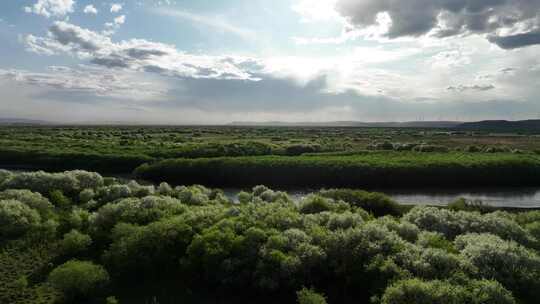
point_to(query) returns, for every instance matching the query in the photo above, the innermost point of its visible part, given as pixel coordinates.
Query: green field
(370, 169)
(122, 149)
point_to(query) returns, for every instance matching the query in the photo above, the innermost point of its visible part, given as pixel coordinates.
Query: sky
(218, 61)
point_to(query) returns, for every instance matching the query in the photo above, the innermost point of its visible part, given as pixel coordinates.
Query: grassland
(122, 149)
(370, 169)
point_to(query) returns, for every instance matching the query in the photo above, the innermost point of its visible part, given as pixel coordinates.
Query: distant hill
(410, 124)
(22, 121)
(503, 126)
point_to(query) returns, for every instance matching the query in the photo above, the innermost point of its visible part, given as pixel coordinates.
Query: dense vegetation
(122, 149)
(76, 237)
(369, 169)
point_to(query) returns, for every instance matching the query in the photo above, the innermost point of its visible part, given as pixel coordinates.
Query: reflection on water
(498, 197)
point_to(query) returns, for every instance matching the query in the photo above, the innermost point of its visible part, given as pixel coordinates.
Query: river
(497, 197)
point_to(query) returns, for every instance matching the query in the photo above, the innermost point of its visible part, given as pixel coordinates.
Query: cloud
(120, 19)
(116, 7)
(90, 9)
(87, 80)
(463, 88)
(51, 8)
(209, 21)
(516, 41)
(508, 23)
(139, 54)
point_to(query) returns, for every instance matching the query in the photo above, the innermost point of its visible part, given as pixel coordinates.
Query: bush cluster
(336, 246)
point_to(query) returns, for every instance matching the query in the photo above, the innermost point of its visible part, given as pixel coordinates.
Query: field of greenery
(77, 237)
(120, 150)
(369, 169)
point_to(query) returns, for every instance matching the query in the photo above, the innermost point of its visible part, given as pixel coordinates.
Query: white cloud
(316, 10)
(51, 8)
(90, 9)
(89, 80)
(210, 21)
(116, 7)
(120, 20)
(139, 54)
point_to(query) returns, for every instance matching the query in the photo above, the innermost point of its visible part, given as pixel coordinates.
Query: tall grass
(404, 169)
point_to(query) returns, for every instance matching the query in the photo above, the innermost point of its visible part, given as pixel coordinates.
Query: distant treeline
(125, 162)
(382, 169)
(106, 163)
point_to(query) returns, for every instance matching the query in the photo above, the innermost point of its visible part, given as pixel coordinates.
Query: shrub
(452, 224)
(295, 150)
(75, 243)
(428, 239)
(31, 199)
(58, 199)
(315, 204)
(70, 183)
(310, 296)
(140, 211)
(16, 219)
(86, 196)
(421, 292)
(442, 292)
(79, 279)
(244, 197)
(376, 203)
(4, 175)
(516, 267)
(431, 148)
(154, 249)
(466, 205)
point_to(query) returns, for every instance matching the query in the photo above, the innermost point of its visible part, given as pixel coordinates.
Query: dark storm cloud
(516, 41)
(444, 18)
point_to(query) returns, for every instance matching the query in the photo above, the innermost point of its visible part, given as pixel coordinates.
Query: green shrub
(515, 266)
(75, 243)
(16, 219)
(58, 199)
(31, 199)
(315, 204)
(310, 296)
(428, 292)
(79, 279)
(376, 203)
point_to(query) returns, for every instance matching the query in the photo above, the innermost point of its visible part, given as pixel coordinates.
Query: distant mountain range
(500, 126)
(410, 124)
(22, 121)
(504, 126)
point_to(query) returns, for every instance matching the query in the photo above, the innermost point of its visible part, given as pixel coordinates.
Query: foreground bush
(79, 280)
(309, 296)
(441, 292)
(515, 266)
(164, 243)
(16, 219)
